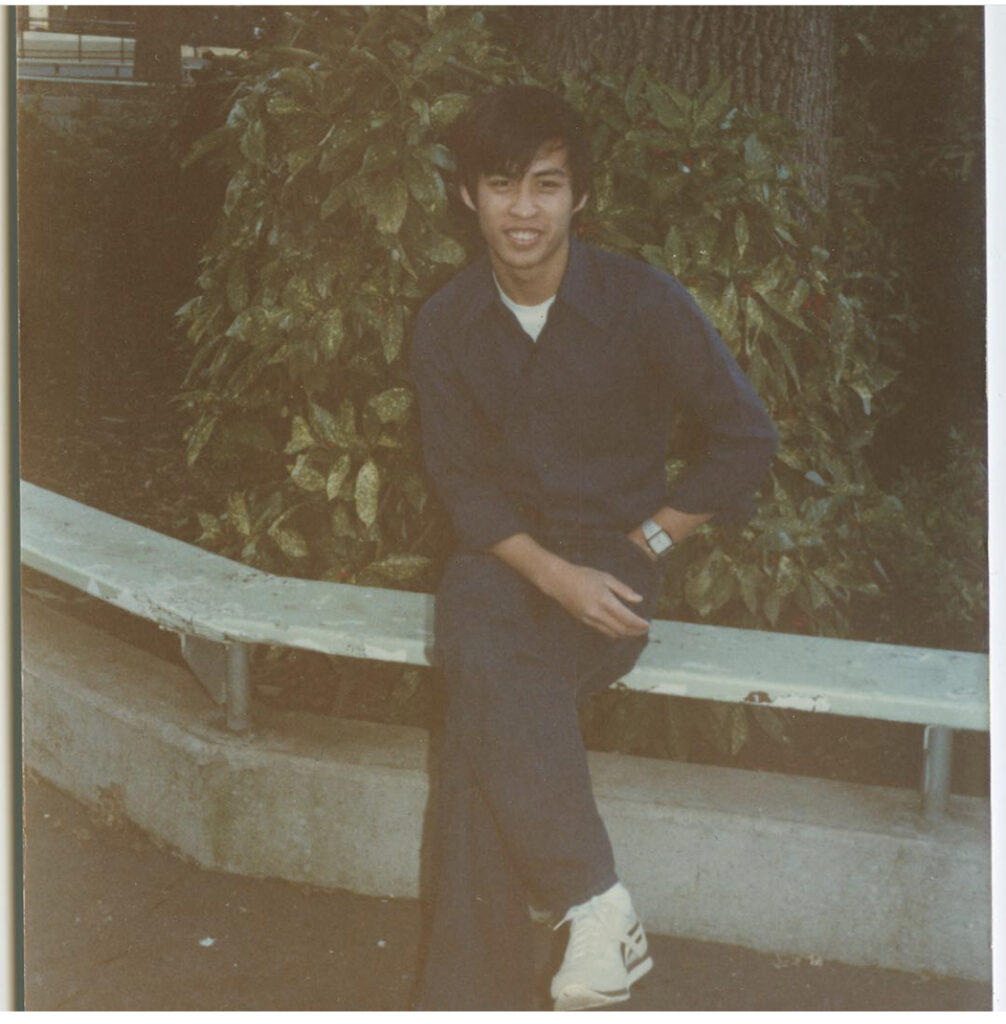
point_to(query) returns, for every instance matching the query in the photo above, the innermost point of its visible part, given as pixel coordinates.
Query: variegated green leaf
(324, 424)
(210, 526)
(301, 436)
(401, 568)
(787, 576)
(741, 233)
(344, 431)
(237, 513)
(388, 200)
(305, 476)
(253, 142)
(290, 541)
(368, 486)
(330, 333)
(447, 106)
(393, 405)
(337, 476)
(445, 249)
(426, 186)
(199, 437)
(392, 334)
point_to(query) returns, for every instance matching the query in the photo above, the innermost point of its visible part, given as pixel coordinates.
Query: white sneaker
(606, 952)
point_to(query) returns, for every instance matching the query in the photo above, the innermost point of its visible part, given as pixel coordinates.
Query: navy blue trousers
(515, 817)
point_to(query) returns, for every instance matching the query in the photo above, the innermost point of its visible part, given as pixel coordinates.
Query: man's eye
(549, 185)
(499, 182)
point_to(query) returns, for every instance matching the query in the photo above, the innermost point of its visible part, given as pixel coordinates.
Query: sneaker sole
(579, 997)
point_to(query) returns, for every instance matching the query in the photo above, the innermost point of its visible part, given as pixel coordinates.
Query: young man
(547, 373)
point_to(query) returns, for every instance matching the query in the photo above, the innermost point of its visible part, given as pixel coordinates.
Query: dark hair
(500, 132)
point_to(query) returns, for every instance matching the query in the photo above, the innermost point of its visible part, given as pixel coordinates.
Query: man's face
(525, 221)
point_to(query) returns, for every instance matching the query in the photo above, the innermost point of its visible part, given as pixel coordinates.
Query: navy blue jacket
(574, 429)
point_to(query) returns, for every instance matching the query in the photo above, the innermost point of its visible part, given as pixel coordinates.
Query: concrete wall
(777, 863)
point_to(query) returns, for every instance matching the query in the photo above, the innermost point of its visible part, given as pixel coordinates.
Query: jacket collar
(582, 287)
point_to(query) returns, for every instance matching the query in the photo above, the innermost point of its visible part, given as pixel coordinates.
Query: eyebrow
(545, 172)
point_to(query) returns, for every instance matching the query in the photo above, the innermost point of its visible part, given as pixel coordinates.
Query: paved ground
(114, 922)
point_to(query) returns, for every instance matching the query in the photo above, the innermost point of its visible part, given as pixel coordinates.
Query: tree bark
(779, 59)
(158, 53)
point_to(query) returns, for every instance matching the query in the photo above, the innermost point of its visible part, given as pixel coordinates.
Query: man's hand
(596, 598)
(592, 596)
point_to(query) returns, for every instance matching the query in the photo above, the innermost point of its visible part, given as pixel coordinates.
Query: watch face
(660, 543)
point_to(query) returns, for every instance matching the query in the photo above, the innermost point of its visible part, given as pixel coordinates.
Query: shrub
(333, 232)
(930, 538)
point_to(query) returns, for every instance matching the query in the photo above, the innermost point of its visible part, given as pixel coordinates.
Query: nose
(523, 204)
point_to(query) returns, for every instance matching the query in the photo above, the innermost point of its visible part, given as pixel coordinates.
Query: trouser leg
(479, 953)
(516, 816)
(512, 675)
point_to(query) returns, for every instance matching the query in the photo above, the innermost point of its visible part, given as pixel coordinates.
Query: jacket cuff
(481, 523)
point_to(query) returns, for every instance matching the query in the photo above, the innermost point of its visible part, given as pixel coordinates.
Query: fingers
(623, 590)
(615, 620)
(602, 627)
(627, 624)
(611, 627)
(596, 598)
(618, 589)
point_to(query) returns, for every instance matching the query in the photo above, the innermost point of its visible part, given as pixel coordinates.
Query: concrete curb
(776, 863)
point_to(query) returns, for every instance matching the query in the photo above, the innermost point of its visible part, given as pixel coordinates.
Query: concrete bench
(220, 608)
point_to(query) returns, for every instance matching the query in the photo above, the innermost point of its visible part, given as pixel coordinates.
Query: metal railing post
(938, 756)
(238, 688)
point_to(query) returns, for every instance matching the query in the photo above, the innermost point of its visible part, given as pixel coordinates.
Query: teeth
(523, 236)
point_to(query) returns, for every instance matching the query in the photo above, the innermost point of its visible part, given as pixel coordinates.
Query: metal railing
(55, 39)
(52, 47)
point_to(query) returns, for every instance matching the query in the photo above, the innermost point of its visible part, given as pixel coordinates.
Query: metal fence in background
(94, 49)
(57, 40)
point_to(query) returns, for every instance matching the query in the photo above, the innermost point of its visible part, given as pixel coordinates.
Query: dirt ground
(113, 921)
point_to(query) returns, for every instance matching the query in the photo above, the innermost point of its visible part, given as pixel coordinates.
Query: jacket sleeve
(457, 445)
(739, 440)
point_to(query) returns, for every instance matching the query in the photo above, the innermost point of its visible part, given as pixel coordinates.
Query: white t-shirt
(531, 318)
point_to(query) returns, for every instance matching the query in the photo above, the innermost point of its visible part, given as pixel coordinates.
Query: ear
(582, 203)
(468, 199)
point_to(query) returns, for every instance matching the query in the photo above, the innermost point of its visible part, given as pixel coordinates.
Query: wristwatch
(658, 540)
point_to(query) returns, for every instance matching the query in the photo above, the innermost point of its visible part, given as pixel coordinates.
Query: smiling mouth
(523, 236)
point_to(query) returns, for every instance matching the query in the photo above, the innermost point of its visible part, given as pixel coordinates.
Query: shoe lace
(587, 928)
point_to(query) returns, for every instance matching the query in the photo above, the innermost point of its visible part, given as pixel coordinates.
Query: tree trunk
(779, 59)
(159, 34)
